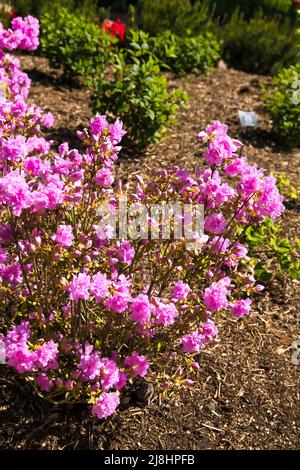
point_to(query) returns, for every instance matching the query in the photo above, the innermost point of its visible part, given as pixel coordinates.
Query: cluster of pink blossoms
(24, 34)
(88, 314)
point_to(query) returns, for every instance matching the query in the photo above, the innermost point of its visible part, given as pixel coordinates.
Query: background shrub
(87, 8)
(139, 95)
(178, 16)
(280, 8)
(74, 42)
(261, 45)
(283, 104)
(183, 55)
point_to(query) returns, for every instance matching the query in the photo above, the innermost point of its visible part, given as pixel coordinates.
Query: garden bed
(248, 394)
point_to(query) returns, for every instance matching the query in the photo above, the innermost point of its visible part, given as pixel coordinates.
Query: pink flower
(213, 130)
(15, 192)
(209, 330)
(48, 120)
(109, 373)
(12, 273)
(118, 302)
(106, 405)
(239, 250)
(64, 235)
(219, 245)
(124, 251)
(44, 382)
(192, 342)
(79, 287)
(241, 308)
(116, 131)
(38, 144)
(98, 124)
(122, 381)
(21, 359)
(141, 309)
(235, 168)
(136, 365)
(46, 356)
(215, 296)
(250, 182)
(90, 365)
(13, 149)
(28, 32)
(69, 384)
(16, 349)
(104, 177)
(33, 165)
(215, 223)
(180, 291)
(269, 201)
(220, 146)
(100, 286)
(165, 314)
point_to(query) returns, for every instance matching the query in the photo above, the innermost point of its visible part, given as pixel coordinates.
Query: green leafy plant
(85, 8)
(280, 8)
(283, 105)
(183, 55)
(261, 45)
(139, 94)
(75, 43)
(278, 254)
(285, 187)
(177, 16)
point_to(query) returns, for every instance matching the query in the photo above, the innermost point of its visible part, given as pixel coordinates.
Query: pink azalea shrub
(85, 314)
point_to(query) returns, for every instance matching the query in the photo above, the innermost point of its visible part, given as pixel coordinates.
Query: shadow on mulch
(63, 134)
(25, 418)
(293, 205)
(44, 78)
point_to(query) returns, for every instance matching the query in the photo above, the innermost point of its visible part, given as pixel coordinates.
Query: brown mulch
(248, 391)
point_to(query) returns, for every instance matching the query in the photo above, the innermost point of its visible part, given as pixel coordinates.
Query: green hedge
(261, 45)
(283, 105)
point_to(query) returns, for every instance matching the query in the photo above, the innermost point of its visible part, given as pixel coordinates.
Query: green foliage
(280, 8)
(281, 255)
(176, 16)
(75, 43)
(283, 104)
(262, 45)
(285, 187)
(86, 8)
(273, 253)
(27, 7)
(138, 94)
(183, 55)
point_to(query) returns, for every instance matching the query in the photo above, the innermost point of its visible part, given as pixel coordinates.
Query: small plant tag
(2, 352)
(248, 119)
(296, 352)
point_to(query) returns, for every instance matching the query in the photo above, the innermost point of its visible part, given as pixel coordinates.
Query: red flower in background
(115, 28)
(13, 14)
